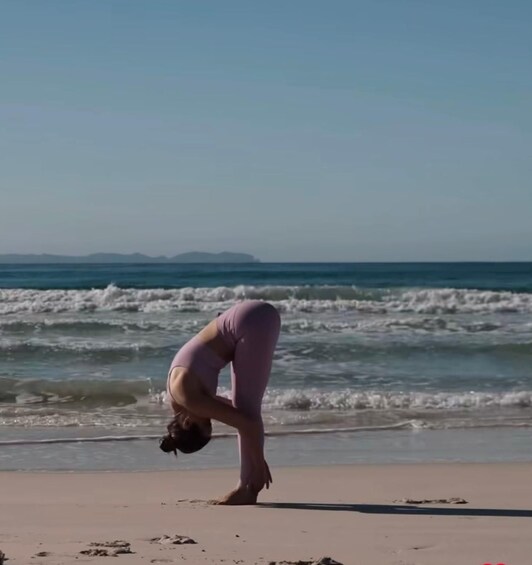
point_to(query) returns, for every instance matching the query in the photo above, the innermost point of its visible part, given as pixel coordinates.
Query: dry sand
(345, 512)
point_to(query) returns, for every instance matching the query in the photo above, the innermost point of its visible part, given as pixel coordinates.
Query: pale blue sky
(293, 130)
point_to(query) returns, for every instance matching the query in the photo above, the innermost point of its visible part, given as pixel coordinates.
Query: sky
(294, 130)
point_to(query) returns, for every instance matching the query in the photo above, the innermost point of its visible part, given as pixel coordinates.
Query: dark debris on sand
(95, 552)
(108, 548)
(173, 540)
(452, 500)
(3, 557)
(321, 561)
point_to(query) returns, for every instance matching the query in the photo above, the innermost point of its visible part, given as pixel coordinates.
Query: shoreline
(476, 445)
(289, 468)
(352, 513)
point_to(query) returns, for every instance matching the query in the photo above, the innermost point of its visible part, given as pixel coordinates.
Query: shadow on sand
(398, 510)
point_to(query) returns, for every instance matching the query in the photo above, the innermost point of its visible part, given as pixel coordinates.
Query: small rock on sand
(173, 540)
(3, 557)
(43, 554)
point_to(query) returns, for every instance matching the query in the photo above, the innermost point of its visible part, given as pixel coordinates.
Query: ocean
(422, 358)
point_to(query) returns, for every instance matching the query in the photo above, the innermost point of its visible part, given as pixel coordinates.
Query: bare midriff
(211, 337)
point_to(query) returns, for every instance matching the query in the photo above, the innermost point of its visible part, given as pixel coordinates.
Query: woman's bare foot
(238, 496)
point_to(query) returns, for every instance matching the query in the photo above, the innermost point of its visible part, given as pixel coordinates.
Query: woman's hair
(187, 440)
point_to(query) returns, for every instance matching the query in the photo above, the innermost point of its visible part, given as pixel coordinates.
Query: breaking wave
(286, 298)
(88, 392)
(38, 347)
(107, 392)
(300, 324)
(338, 400)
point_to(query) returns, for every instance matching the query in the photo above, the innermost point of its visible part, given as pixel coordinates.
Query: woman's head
(186, 434)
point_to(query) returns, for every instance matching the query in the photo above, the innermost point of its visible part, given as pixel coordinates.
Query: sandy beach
(355, 514)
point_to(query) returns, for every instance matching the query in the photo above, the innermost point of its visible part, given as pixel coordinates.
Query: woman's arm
(250, 429)
(224, 400)
(189, 393)
(207, 406)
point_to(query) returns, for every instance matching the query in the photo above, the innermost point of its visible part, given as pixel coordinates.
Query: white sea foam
(347, 399)
(298, 324)
(73, 346)
(311, 299)
(394, 324)
(134, 406)
(106, 392)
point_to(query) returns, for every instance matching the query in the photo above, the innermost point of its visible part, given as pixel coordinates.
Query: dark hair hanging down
(186, 440)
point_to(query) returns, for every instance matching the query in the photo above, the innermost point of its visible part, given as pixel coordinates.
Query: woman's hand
(261, 477)
(269, 479)
(256, 472)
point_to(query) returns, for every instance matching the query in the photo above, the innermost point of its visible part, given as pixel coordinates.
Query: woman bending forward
(245, 336)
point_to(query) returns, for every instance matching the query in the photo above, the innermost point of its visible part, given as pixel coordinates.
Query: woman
(244, 335)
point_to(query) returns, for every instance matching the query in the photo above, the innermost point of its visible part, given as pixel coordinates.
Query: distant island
(190, 257)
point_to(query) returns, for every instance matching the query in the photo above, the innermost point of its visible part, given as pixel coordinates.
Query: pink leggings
(252, 329)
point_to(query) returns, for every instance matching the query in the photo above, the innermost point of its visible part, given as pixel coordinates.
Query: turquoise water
(515, 277)
(84, 349)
